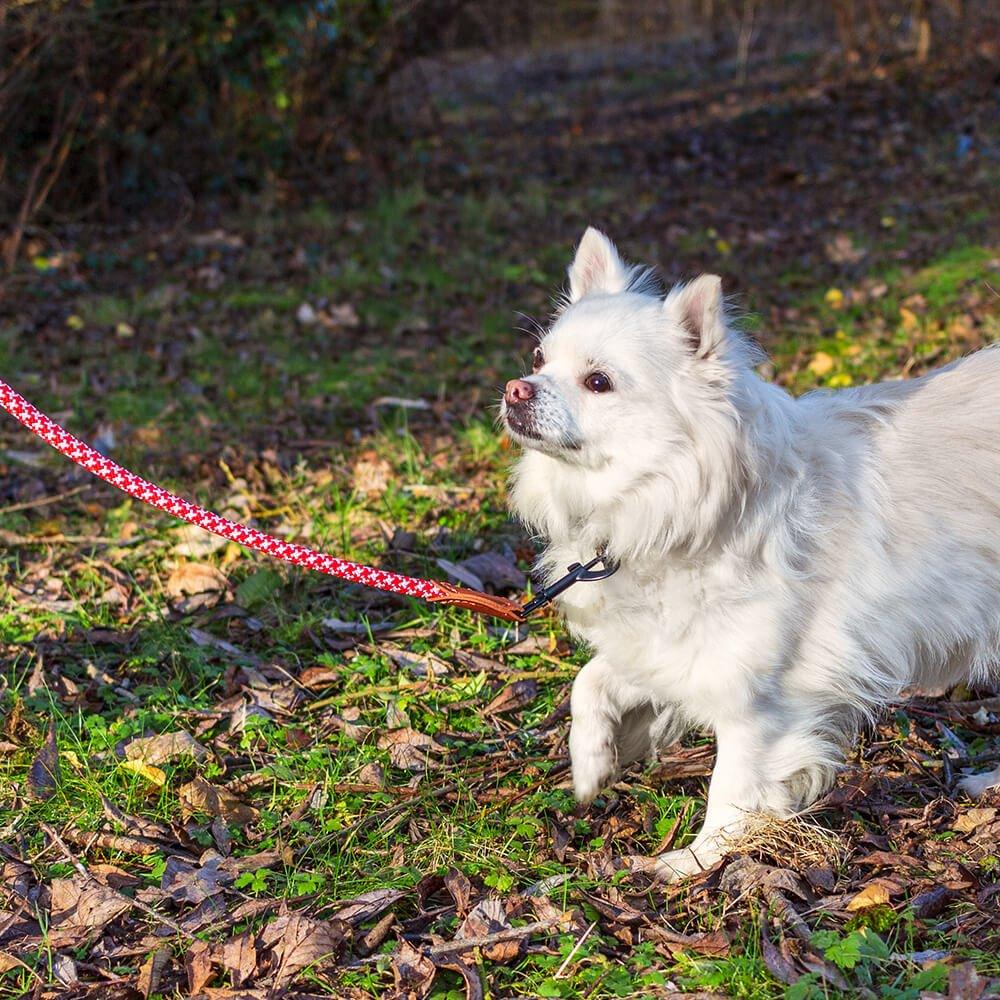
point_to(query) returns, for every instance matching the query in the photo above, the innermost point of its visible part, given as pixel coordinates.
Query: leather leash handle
(474, 600)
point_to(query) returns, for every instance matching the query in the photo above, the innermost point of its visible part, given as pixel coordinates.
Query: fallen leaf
(202, 796)
(239, 958)
(80, 910)
(488, 916)
(973, 818)
(965, 983)
(298, 943)
(908, 319)
(834, 298)
(165, 747)
(514, 697)
(367, 906)
(409, 749)
(372, 475)
(44, 773)
(873, 894)
(198, 964)
(821, 364)
(195, 578)
(412, 971)
(496, 570)
(152, 972)
(154, 775)
(186, 884)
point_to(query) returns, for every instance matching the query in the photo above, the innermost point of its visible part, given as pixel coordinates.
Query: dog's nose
(518, 391)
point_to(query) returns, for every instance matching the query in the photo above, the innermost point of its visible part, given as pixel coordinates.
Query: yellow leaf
(75, 322)
(853, 351)
(154, 775)
(723, 247)
(125, 330)
(821, 364)
(887, 221)
(909, 318)
(874, 894)
(834, 298)
(840, 381)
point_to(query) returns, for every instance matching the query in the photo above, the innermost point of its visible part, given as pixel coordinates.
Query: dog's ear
(596, 267)
(698, 307)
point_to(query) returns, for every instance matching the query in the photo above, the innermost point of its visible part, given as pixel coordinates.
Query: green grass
(223, 395)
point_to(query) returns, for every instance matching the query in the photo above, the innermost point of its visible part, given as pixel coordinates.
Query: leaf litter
(889, 848)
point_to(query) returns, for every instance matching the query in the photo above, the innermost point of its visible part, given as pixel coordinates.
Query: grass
(222, 393)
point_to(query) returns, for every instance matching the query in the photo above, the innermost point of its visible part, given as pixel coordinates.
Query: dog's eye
(537, 359)
(598, 382)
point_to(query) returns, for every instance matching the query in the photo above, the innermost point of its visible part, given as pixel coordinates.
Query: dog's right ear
(698, 307)
(596, 267)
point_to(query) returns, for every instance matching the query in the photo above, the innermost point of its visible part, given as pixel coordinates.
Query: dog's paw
(976, 785)
(592, 770)
(672, 866)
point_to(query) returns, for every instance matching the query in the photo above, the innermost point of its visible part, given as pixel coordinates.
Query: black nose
(518, 391)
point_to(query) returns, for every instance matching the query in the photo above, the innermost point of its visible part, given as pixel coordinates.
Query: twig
(576, 948)
(498, 937)
(42, 501)
(137, 904)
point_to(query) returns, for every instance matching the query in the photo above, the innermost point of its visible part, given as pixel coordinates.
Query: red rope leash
(299, 555)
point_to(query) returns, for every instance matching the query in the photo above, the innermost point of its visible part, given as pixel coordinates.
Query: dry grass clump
(795, 842)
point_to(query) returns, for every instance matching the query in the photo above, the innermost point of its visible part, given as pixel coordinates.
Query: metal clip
(578, 573)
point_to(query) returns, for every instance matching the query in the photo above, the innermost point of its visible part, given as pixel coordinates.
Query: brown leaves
(44, 773)
(201, 796)
(486, 918)
(298, 943)
(165, 747)
(194, 585)
(409, 749)
(80, 909)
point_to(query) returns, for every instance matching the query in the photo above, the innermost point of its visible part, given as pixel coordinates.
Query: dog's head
(630, 383)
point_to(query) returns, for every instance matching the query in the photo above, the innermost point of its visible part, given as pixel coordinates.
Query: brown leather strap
(474, 600)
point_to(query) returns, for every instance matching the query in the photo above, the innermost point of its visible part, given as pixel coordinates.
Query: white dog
(786, 565)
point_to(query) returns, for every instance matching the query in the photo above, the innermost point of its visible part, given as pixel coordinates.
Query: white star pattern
(141, 489)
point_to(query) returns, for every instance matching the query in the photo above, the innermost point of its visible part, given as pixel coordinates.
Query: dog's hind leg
(645, 730)
(975, 785)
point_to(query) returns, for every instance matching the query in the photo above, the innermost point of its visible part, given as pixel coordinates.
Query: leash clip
(578, 573)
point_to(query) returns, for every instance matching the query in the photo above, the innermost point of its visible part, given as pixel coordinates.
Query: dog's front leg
(597, 704)
(740, 786)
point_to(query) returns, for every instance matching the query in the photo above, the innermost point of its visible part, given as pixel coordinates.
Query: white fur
(787, 565)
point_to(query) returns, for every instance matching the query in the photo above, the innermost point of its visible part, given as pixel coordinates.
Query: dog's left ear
(596, 267)
(698, 307)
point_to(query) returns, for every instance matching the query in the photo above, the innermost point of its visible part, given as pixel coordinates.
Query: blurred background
(281, 257)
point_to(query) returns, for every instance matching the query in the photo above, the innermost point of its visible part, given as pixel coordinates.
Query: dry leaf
(495, 570)
(202, 796)
(412, 971)
(298, 943)
(154, 775)
(80, 910)
(152, 971)
(195, 578)
(973, 818)
(873, 894)
(198, 963)
(821, 364)
(488, 916)
(165, 747)
(367, 906)
(44, 775)
(239, 958)
(409, 749)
